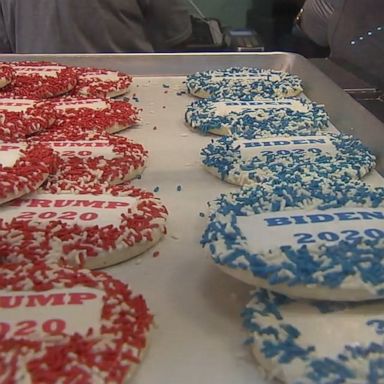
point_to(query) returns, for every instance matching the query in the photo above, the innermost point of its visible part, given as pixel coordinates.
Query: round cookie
(81, 113)
(92, 158)
(241, 162)
(246, 83)
(261, 118)
(314, 239)
(39, 80)
(6, 74)
(95, 82)
(318, 342)
(93, 230)
(23, 168)
(61, 324)
(23, 117)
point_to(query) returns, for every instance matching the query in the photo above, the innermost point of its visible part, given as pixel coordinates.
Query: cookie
(6, 74)
(60, 324)
(92, 158)
(39, 80)
(241, 162)
(246, 83)
(316, 342)
(253, 119)
(316, 240)
(23, 117)
(95, 82)
(23, 168)
(93, 230)
(81, 113)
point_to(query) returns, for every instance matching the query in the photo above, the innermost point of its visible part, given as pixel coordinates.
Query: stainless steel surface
(346, 114)
(198, 336)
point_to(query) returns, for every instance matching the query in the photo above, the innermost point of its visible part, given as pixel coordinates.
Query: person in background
(352, 29)
(92, 26)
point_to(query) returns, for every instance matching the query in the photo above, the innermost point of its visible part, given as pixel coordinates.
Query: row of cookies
(73, 153)
(302, 230)
(67, 207)
(42, 80)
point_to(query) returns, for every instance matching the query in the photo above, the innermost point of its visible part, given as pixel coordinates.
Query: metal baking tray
(198, 337)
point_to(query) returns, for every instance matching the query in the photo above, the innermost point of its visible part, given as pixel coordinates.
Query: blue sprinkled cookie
(261, 118)
(320, 342)
(314, 239)
(246, 83)
(241, 162)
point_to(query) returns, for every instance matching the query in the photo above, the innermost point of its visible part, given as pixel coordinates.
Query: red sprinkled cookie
(65, 325)
(90, 230)
(39, 80)
(81, 113)
(23, 168)
(23, 117)
(6, 74)
(92, 158)
(94, 82)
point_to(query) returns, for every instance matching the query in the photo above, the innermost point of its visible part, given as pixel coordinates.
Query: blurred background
(346, 44)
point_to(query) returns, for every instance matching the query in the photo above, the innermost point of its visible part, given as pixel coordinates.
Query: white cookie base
(106, 259)
(23, 192)
(130, 176)
(346, 292)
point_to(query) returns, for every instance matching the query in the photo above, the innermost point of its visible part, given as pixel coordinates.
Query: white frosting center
(285, 145)
(46, 313)
(10, 153)
(305, 228)
(85, 149)
(334, 329)
(43, 71)
(12, 105)
(224, 108)
(85, 210)
(95, 104)
(244, 77)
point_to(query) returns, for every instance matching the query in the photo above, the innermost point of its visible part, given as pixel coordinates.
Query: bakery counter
(198, 336)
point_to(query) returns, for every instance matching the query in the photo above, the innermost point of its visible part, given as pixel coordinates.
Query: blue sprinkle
(202, 214)
(178, 188)
(156, 189)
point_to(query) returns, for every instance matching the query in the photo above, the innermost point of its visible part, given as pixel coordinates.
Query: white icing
(224, 108)
(10, 153)
(44, 71)
(299, 228)
(71, 310)
(12, 105)
(283, 145)
(328, 332)
(85, 210)
(334, 329)
(95, 104)
(85, 149)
